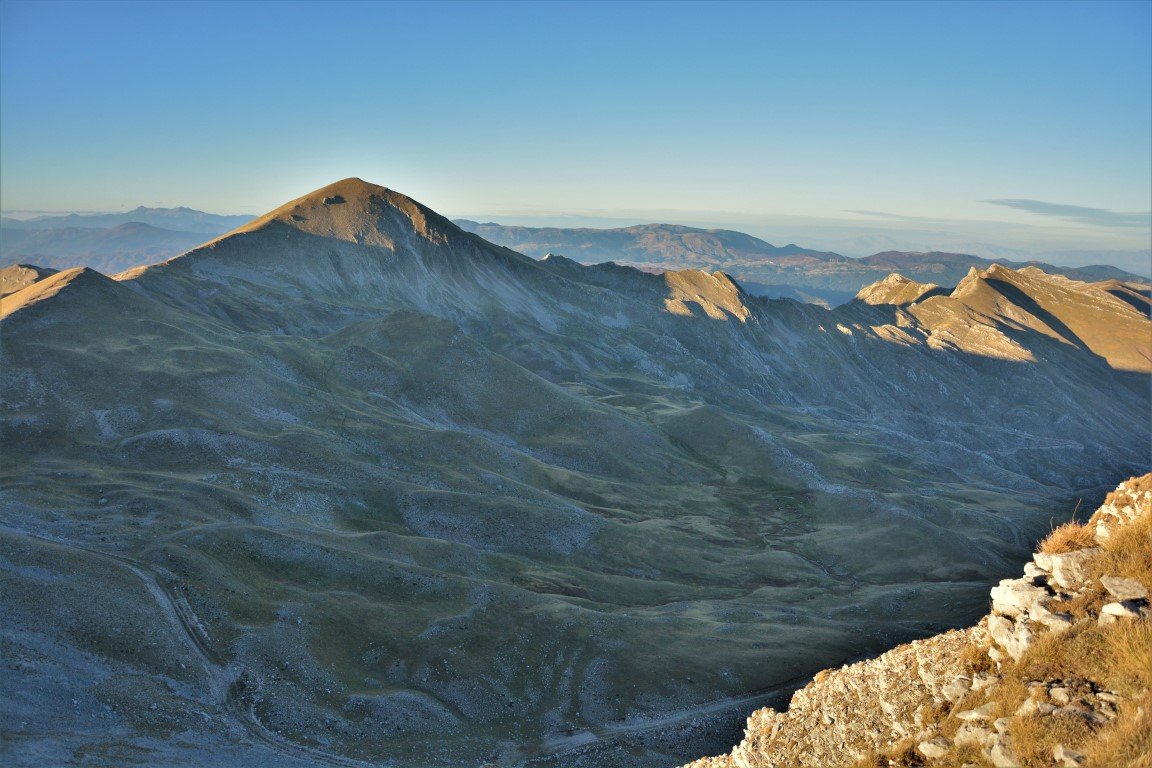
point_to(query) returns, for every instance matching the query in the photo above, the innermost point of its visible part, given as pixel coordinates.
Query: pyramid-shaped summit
(357, 211)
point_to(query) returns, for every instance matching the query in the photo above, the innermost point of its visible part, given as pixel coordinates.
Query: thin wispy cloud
(1097, 217)
(885, 215)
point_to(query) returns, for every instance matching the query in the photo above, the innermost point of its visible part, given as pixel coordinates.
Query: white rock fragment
(1001, 754)
(1125, 610)
(1033, 707)
(983, 712)
(1124, 589)
(1068, 758)
(972, 734)
(1057, 622)
(936, 748)
(1068, 570)
(955, 690)
(1014, 597)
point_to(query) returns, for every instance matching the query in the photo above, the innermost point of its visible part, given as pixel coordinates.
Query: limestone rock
(1013, 637)
(1124, 589)
(1125, 610)
(1035, 574)
(1068, 568)
(936, 748)
(955, 690)
(1057, 622)
(972, 734)
(1014, 597)
(983, 712)
(1068, 758)
(1034, 707)
(1000, 753)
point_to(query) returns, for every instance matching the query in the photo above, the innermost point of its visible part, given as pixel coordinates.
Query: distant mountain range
(112, 243)
(180, 219)
(351, 485)
(109, 250)
(109, 242)
(752, 260)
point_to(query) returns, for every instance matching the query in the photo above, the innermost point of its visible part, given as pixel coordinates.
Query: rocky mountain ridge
(1014, 690)
(387, 490)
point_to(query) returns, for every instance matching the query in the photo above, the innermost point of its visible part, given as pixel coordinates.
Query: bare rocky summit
(990, 310)
(1059, 673)
(897, 289)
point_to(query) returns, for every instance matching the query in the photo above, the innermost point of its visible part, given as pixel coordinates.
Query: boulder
(1124, 589)
(972, 734)
(1068, 570)
(955, 690)
(983, 712)
(1014, 637)
(1128, 609)
(1001, 754)
(1014, 597)
(936, 748)
(1035, 574)
(1057, 622)
(1034, 707)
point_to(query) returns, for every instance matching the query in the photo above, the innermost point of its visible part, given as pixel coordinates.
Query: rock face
(353, 480)
(922, 695)
(988, 308)
(899, 290)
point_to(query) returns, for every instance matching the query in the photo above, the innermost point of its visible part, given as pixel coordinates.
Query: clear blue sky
(637, 110)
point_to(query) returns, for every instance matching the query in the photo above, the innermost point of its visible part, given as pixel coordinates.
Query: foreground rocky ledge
(1058, 674)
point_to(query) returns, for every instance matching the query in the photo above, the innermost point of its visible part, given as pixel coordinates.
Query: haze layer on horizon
(1023, 125)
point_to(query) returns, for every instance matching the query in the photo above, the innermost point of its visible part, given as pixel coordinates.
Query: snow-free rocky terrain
(1059, 673)
(349, 485)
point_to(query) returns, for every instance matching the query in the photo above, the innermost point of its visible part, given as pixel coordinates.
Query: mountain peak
(356, 211)
(82, 280)
(897, 289)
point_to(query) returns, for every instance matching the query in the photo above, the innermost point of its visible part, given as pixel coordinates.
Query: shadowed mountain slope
(350, 483)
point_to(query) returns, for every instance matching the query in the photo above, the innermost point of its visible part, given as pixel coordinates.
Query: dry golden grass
(1128, 743)
(1086, 658)
(1130, 650)
(976, 660)
(1080, 652)
(1034, 737)
(1068, 537)
(1131, 490)
(1128, 551)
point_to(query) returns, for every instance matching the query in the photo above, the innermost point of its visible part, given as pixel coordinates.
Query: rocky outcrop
(899, 290)
(964, 696)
